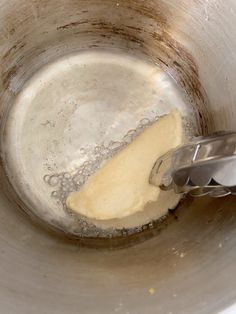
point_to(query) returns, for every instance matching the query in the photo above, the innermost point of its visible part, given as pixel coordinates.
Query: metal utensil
(205, 166)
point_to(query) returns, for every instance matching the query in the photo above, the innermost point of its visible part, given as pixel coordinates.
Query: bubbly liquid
(74, 115)
(66, 182)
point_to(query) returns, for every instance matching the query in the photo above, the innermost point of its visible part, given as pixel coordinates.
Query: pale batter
(121, 188)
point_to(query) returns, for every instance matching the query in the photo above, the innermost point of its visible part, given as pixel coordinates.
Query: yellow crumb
(152, 291)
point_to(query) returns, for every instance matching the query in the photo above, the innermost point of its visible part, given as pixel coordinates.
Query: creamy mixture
(121, 187)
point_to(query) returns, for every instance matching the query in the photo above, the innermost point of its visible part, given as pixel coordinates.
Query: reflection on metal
(205, 166)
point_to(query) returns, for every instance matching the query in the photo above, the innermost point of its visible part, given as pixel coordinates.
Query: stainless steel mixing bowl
(189, 267)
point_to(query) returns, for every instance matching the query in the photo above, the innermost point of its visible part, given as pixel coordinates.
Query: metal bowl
(187, 263)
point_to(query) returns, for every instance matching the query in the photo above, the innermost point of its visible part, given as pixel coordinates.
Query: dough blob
(121, 187)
